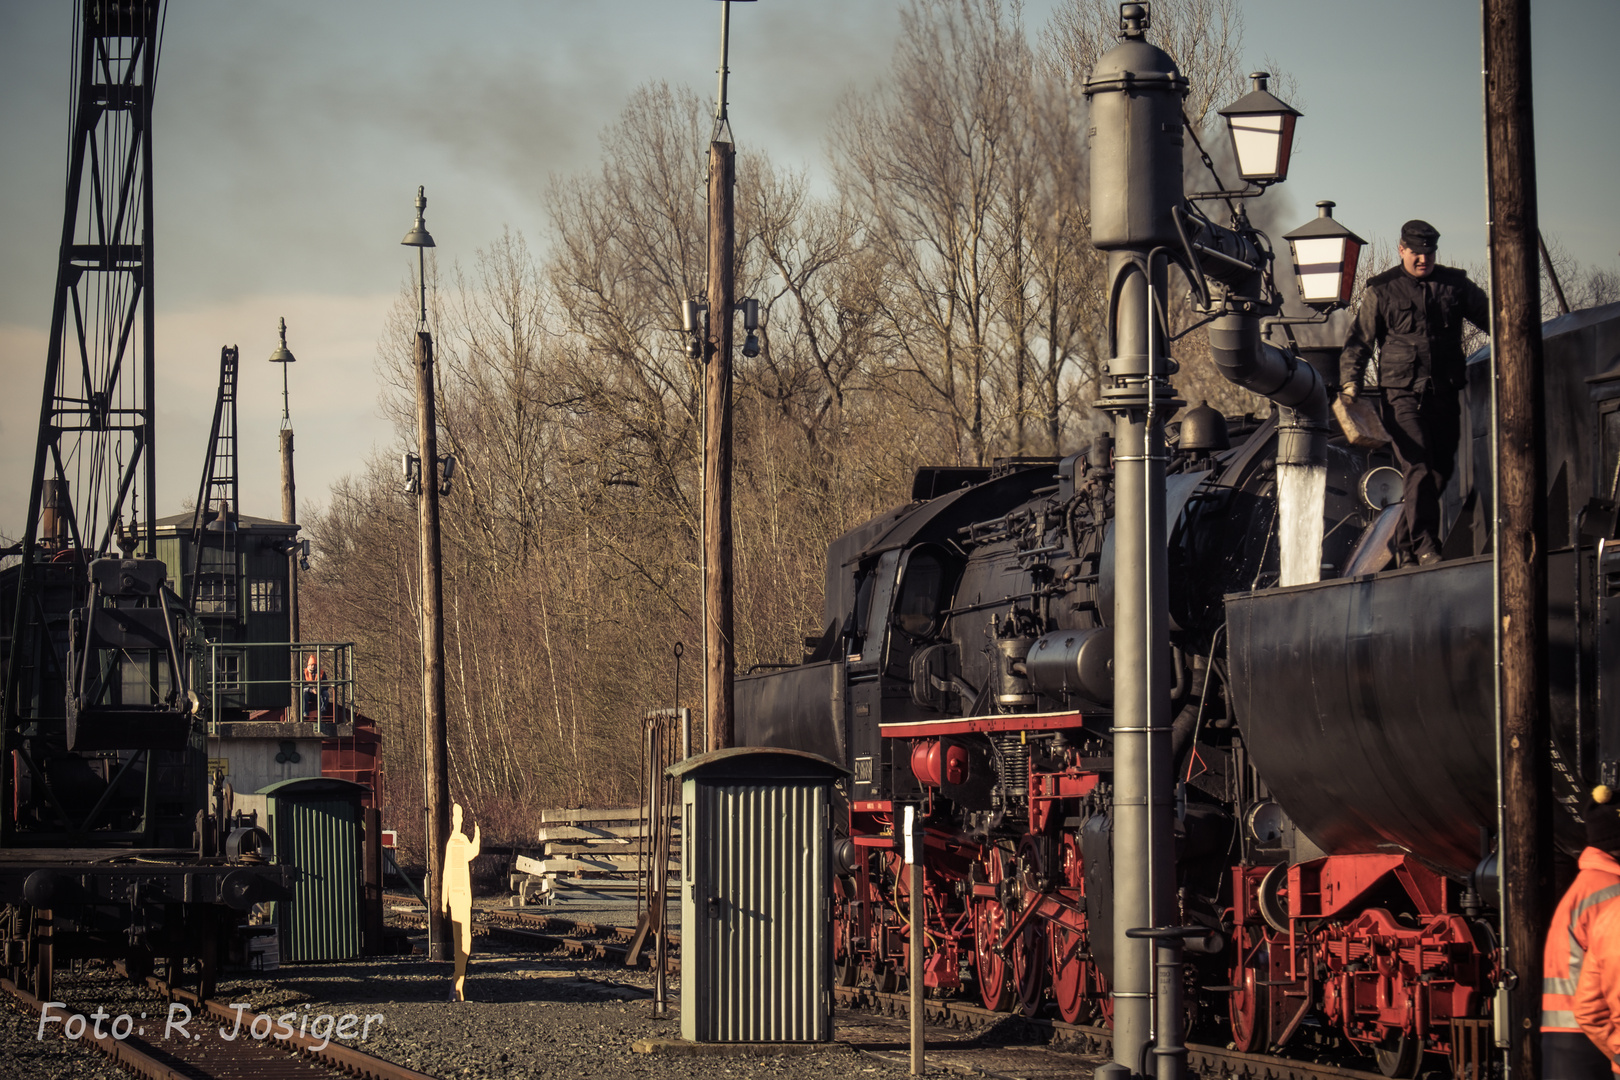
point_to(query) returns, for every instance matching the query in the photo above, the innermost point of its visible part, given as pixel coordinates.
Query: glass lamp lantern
(1262, 130)
(1325, 255)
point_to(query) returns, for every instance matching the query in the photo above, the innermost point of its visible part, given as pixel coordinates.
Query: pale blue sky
(291, 135)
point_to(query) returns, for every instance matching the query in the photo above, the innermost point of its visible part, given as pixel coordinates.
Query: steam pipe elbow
(1295, 386)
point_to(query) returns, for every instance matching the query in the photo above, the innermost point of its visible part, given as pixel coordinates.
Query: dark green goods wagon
(316, 822)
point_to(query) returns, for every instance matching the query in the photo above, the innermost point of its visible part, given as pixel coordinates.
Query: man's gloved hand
(1350, 390)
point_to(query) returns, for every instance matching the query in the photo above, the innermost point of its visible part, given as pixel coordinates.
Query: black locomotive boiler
(1332, 742)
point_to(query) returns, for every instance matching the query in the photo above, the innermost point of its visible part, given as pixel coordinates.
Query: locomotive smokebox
(1135, 93)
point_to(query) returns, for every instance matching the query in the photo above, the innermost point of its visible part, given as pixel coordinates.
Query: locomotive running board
(963, 725)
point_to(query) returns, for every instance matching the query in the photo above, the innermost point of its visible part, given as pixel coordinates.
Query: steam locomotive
(1332, 743)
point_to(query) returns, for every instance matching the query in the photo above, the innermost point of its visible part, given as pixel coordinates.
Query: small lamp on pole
(420, 239)
(1262, 130)
(283, 356)
(1325, 255)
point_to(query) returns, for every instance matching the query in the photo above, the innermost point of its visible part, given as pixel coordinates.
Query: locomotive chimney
(1136, 93)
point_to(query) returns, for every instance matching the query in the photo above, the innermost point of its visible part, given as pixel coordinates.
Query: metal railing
(316, 681)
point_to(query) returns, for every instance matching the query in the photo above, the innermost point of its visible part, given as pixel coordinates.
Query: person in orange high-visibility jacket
(1597, 994)
(1580, 994)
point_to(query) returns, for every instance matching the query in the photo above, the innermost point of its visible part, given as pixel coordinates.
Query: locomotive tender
(1329, 745)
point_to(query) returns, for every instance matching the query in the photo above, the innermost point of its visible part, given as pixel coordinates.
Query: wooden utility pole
(435, 733)
(718, 651)
(289, 514)
(1521, 517)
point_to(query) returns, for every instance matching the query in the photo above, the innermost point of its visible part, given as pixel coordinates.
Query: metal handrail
(324, 698)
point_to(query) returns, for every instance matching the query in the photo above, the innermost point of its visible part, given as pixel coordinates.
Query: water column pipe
(1230, 265)
(1136, 92)
(1296, 387)
(1233, 268)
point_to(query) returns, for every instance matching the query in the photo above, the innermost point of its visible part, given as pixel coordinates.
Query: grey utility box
(756, 962)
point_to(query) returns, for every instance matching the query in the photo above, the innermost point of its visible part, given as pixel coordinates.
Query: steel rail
(130, 1052)
(579, 940)
(1208, 1061)
(125, 1053)
(334, 1055)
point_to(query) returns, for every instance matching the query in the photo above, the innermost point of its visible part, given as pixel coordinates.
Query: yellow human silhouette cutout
(457, 893)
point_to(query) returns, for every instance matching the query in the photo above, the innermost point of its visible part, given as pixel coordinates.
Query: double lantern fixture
(1324, 252)
(694, 324)
(411, 465)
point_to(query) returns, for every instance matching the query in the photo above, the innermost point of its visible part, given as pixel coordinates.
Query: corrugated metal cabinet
(316, 823)
(756, 962)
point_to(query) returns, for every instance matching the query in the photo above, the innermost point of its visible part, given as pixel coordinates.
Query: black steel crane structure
(95, 684)
(93, 672)
(110, 845)
(218, 495)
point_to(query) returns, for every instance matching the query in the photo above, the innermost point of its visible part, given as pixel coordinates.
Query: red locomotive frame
(1370, 945)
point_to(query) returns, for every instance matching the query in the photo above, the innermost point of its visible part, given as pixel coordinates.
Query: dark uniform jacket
(1418, 325)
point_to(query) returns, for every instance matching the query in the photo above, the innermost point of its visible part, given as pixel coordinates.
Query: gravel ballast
(527, 1016)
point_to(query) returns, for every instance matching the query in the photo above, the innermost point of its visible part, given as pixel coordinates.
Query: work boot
(1428, 558)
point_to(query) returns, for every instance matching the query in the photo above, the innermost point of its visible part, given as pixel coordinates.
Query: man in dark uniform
(1413, 315)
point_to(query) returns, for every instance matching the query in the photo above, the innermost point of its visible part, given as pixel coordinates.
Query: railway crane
(110, 843)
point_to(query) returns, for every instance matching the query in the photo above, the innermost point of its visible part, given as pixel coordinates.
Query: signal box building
(276, 709)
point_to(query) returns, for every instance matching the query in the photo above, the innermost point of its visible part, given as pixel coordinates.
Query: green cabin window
(216, 583)
(227, 672)
(265, 596)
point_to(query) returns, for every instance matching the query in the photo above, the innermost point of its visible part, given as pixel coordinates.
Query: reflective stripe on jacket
(1568, 937)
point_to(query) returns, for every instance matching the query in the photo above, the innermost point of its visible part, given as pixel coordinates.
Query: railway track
(207, 1039)
(1205, 1061)
(552, 934)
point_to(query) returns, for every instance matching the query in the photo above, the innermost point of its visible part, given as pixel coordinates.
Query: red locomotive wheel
(1031, 967)
(1102, 999)
(1069, 975)
(846, 965)
(1247, 1005)
(1031, 962)
(1399, 1056)
(989, 966)
(989, 923)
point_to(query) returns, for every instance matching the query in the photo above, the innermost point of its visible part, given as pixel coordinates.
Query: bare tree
(1204, 37)
(818, 285)
(927, 162)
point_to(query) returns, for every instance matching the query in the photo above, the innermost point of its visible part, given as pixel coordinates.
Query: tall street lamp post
(1143, 219)
(435, 730)
(289, 491)
(719, 646)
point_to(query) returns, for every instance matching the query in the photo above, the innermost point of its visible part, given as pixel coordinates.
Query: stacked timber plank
(589, 854)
